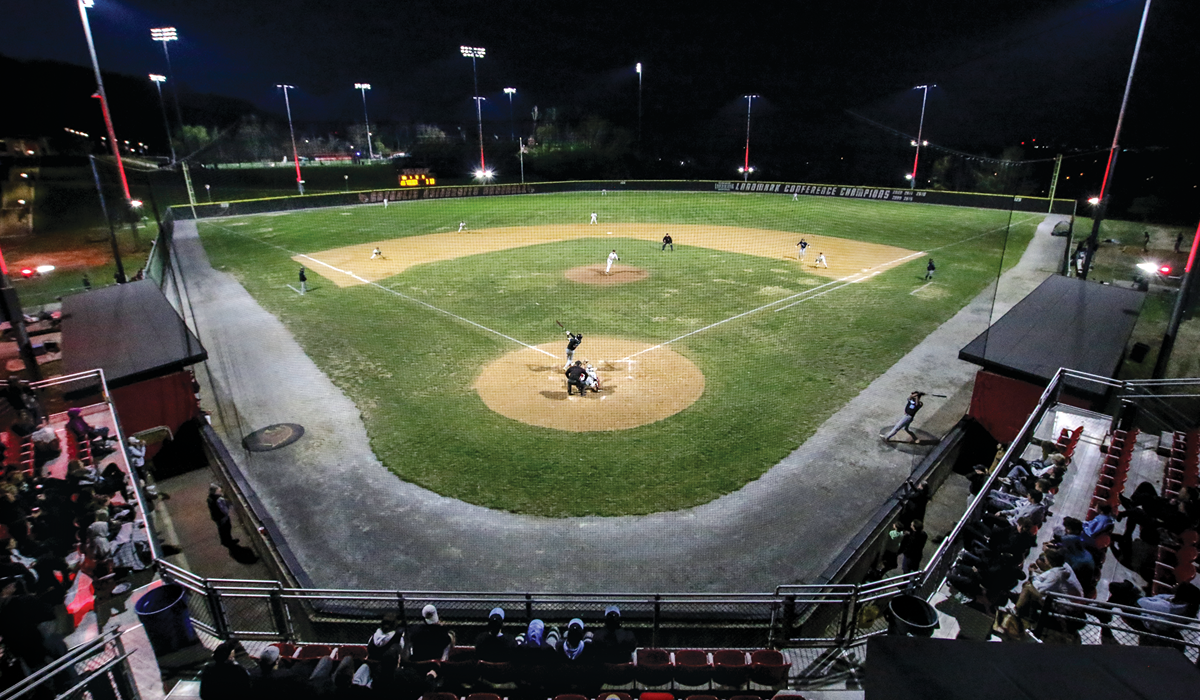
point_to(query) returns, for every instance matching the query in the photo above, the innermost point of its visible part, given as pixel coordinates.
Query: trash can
(164, 614)
(910, 616)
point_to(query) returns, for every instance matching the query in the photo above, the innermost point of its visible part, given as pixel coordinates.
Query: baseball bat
(560, 325)
(938, 396)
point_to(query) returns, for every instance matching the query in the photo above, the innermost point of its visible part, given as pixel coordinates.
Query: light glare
(164, 34)
(158, 78)
(473, 51)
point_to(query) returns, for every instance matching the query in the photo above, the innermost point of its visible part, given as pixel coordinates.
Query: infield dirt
(352, 265)
(639, 384)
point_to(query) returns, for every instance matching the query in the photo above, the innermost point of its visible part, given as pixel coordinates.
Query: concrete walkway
(351, 523)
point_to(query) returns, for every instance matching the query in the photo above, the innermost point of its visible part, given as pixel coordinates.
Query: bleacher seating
(1114, 471)
(653, 668)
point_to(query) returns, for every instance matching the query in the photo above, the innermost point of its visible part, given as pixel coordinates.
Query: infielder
(820, 260)
(377, 253)
(929, 269)
(803, 246)
(461, 225)
(668, 241)
(796, 197)
(573, 341)
(593, 217)
(612, 258)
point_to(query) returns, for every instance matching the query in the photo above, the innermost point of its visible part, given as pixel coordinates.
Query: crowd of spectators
(405, 663)
(53, 527)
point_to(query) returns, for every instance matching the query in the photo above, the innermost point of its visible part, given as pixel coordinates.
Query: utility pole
(1054, 181)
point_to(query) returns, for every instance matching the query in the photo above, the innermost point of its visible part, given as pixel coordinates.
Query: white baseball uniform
(461, 226)
(612, 258)
(821, 261)
(593, 217)
(377, 253)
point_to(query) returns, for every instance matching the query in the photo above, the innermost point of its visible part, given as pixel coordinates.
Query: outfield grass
(771, 378)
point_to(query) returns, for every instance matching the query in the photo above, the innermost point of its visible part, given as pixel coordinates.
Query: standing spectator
(891, 548)
(614, 644)
(1178, 241)
(303, 281)
(912, 547)
(21, 396)
(429, 640)
(915, 502)
(218, 510)
(222, 678)
(1146, 242)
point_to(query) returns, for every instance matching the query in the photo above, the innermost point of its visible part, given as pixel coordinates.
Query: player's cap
(429, 612)
(612, 611)
(496, 614)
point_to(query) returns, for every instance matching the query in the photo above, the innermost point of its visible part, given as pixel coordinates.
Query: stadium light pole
(474, 52)
(920, 130)
(363, 87)
(108, 124)
(295, 155)
(158, 80)
(512, 131)
(639, 72)
(1093, 240)
(746, 167)
(165, 35)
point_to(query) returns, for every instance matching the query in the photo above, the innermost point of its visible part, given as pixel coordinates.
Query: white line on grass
(808, 295)
(393, 291)
(920, 288)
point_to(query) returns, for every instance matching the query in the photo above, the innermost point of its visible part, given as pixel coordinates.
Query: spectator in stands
(1184, 601)
(1076, 554)
(1100, 524)
(84, 431)
(1015, 541)
(222, 678)
(537, 641)
(978, 477)
(24, 425)
(995, 578)
(577, 642)
(1053, 576)
(1031, 508)
(20, 615)
(268, 681)
(21, 396)
(614, 644)
(429, 640)
(1007, 501)
(99, 545)
(385, 637)
(493, 644)
(46, 445)
(401, 681)
(912, 547)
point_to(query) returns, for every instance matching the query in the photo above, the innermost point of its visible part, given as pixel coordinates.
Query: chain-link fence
(1072, 620)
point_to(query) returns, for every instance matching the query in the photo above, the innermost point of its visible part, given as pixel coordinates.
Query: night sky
(1006, 70)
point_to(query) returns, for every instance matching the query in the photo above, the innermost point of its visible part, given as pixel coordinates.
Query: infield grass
(771, 377)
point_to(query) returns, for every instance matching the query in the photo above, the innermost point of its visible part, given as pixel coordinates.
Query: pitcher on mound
(612, 258)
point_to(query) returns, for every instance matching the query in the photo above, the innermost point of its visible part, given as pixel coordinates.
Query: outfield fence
(615, 187)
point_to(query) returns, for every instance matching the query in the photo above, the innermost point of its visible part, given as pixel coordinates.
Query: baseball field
(715, 359)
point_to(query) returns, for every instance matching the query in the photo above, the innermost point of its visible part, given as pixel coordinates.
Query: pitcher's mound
(529, 386)
(594, 274)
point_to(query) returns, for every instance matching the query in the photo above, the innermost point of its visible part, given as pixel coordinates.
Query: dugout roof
(1065, 322)
(911, 668)
(129, 330)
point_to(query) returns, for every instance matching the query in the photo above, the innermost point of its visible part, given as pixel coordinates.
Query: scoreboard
(416, 178)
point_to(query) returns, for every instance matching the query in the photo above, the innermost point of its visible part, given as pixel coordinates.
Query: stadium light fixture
(166, 35)
(158, 80)
(638, 68)
(363, 87)
(295, 155)
(1093, 200)
(474, 52)
(920, 128)
(746, 169)
(512, 133)
(112, 135)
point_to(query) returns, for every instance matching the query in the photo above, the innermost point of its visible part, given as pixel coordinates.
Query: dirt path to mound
(529, 386)
(351, 265)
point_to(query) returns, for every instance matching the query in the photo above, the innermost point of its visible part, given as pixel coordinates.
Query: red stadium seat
(313, 651)
(768, 667)
(653, 667)
(358, 651)
(652, 695)
(439, 696)
(618, 674)
(730, 667)
(286, 650)
(496, 671)
(692, 667)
